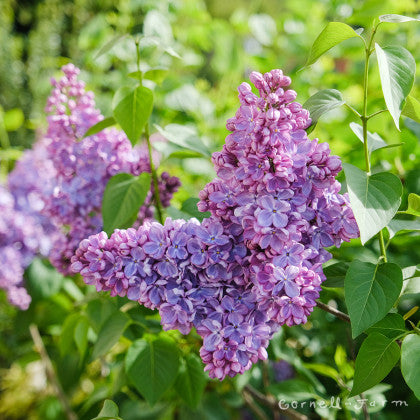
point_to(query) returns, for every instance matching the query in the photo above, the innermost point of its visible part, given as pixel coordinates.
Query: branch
(333, 311)
(271, 402)
(254, 407)
(49, 369)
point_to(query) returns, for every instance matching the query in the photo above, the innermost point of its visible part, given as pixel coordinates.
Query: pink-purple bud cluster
(256, 263)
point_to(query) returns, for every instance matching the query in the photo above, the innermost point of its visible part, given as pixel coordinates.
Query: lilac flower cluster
(256, 263)
(19, 241)
(70, 172)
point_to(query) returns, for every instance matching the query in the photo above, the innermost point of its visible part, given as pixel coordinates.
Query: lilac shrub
(256, 263)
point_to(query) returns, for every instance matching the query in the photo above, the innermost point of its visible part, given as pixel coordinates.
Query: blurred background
(214, 45)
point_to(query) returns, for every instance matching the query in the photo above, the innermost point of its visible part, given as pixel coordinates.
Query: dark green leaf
(101, 125)
(98, 311)
(395, 226)
(109, 45)
(410, 362)
(333, 34)
(123, 197)
(184, 136)
(152, 367)
(391, 18)
(397, 68)
(191, 380)
(293, 390)
(412, 109)
(42, 281)
(67, 333)
(391, 326)
(375, 141)
(370, 292)
(322, 102)
(81, 335)
(335, 274)
(374, 199)
(133, 111)
(189, 206)
(110, 333)
(377, 356)
(109, 411)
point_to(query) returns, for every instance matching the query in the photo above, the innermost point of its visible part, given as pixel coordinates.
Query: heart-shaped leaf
(395, 226)
(391, 326)
(412, 108)
(374, 140)
(410, 362)
(397, 68)
(332, 34)
(377, 356)
(323, 101)
(392, 18)
(133, 111)
(374, 199)
(152, 367)
(191, 380)
(123, 197)
(370, 292)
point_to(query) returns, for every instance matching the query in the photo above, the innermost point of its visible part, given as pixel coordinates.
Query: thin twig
(364, 407)
(49, 369)
(333, 311)
(254, 407)
(271, 402)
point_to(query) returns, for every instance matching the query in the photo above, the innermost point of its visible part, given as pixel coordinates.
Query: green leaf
(157, 75)
(370, 292)
(391, 326)
(323, 101)
(189, 206)
(13, 119)
(42, 281)
(374, 199)
(191, 380)
(133, 111)
(391, 18)
(81, 335)
(152, 367)
(395, 226)
(123, 197)
(413, 205)
(109, 45)
(67, 333)
(263, 28)
(335, 274)
(410, 362)
(110, 333)
(322, 369)
(186, 137)
(333, 34)
(109, 411)
(412, 108)
(375, 141)
(397, 68)
(293, 390)
(101, 125)
(98, 311)
(377, 356)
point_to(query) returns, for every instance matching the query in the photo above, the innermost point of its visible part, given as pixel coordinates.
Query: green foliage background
(219, 42)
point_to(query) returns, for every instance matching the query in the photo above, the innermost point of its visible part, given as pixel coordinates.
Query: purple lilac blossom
(63, 177)
(256, 263)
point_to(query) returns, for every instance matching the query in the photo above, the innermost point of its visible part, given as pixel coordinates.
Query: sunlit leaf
(412, 108)
(333, 34)
(397, 68)
(374, 199)
(392, 18)
(375, 141)
(410, 362)
(109, 45)
(101, 125)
